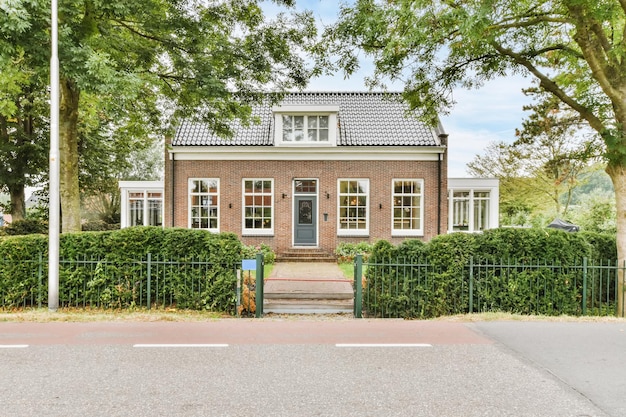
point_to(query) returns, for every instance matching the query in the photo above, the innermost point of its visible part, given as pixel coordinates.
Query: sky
(482, 116)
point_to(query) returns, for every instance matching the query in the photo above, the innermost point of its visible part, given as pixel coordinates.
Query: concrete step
(308, 306)
(305, 255)
(312, 289)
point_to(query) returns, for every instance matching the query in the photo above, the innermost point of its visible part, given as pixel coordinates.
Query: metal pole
(54, 211)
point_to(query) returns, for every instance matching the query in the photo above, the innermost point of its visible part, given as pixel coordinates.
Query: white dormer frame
(306, 110)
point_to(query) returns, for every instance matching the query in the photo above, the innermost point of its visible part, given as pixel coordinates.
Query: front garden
(527, 271)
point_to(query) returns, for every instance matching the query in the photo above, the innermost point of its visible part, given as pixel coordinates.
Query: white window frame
(200, 194)
(408, 232)
(471, 207)
(353, 232)
(145, 188)
(306, 112)
(257, 232)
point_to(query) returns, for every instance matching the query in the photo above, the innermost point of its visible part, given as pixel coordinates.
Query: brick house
(319, 169)
(293, 181)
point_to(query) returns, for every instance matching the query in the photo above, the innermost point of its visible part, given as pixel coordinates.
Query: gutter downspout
(443, 137)
(439, 194)
(172, 188)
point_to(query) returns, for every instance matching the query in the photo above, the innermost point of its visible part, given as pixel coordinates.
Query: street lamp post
(53, 240)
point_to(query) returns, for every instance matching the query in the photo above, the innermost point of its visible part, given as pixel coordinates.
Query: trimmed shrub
(527, 271)
(25, 227)
(189, 268)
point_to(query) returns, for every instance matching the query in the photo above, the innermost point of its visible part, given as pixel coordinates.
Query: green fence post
(149, 277)
(584, 300)
(259, 285)
(358, 286)
(471, 285)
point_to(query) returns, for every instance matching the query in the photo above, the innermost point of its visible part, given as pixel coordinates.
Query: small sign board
(248, 265)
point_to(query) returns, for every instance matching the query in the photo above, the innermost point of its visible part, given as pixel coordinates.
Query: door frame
(316, 213)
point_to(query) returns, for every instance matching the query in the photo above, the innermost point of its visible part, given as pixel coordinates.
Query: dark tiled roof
(365, 119)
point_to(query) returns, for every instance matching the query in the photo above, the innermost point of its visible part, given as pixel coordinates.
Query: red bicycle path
(241, 332)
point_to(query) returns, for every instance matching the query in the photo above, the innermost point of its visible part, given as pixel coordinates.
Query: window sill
(257, 233)
(353, 234)
(407, 233)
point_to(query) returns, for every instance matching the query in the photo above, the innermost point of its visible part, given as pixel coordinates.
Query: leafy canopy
(574, 48)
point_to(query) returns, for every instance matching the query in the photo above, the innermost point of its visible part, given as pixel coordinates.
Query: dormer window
(305, 125)
(307, 128)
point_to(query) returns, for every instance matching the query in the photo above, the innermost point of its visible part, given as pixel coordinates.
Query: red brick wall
(379, 173)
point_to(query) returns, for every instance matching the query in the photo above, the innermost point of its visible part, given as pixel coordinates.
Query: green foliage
(526, 271)
(188, 269)
(99, 226)
(25, 227)
(346, 251)
(250, 252)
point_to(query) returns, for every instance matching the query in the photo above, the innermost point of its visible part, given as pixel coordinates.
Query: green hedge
(528, 271)
(188, 269)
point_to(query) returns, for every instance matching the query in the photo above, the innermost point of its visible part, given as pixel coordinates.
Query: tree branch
(549, 85)
(150, 37)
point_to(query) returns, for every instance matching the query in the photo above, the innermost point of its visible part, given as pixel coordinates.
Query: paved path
(295, 278)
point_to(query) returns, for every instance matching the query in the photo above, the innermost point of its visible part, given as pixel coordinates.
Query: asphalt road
(275, 368)
(589, 357)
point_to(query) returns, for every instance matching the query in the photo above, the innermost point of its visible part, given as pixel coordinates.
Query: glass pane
(248, 186)
(312, 135)
(305, 212)
(312, 122)
(287, 136)
(323, 122)
(212, 186)
(287, 122)
(135, 195)
(298, 135)
(323, 135)
(298, 122)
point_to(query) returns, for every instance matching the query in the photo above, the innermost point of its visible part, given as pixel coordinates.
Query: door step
(305, 255)
(308, 306)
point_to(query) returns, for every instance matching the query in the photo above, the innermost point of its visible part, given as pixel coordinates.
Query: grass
(348, 269)
(74, 315)
(100, 315)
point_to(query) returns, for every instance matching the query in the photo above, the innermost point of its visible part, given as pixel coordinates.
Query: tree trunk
(68, 157)
(618, 176)
(18, 202)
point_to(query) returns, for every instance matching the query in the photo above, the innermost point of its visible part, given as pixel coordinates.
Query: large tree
(573, 48)
(23, 131)
(204, 59)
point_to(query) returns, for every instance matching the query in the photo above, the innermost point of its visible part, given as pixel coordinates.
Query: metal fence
(419, 289)
(149, 282)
